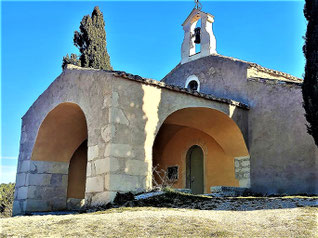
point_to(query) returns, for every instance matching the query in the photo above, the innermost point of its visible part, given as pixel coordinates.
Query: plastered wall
(218, 167)
(284, 158)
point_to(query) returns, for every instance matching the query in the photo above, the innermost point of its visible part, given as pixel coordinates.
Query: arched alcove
(62, 131)
(60, 156)
(215, 132)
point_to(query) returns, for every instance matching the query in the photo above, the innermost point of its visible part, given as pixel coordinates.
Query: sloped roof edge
(287, 76)
(160, 84)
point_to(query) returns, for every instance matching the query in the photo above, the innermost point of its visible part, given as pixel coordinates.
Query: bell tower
(197, 36)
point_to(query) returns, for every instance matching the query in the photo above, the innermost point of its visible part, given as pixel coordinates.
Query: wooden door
(195, 170)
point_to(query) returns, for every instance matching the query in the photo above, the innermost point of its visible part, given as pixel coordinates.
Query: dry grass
(168, 222)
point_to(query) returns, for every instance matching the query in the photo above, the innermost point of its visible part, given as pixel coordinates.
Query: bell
(197, 36)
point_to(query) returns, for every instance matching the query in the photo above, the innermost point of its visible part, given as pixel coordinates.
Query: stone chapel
(212, 121)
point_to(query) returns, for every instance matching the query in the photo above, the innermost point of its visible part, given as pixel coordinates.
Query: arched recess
(60, 156)
(215, 132)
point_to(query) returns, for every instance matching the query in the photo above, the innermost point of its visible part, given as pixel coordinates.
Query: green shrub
(6, 198)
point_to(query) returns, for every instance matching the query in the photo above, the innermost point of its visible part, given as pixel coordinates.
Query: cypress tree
(91, 42)
(310, 84)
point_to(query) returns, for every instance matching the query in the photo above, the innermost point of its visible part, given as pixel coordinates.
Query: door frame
(187, 184)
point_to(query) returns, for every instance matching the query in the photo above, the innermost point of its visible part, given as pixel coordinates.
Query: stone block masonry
(242, 171)
(107, 159)
(40, 185)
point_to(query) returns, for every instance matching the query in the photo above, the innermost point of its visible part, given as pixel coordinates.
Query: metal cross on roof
(198, 5)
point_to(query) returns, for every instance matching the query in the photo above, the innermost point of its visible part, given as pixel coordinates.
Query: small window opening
(172, 172)
(193, 85)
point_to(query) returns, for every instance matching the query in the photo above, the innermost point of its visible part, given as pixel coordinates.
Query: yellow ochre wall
(218, 167)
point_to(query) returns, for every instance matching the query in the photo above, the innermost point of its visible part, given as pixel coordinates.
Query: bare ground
(168, 222)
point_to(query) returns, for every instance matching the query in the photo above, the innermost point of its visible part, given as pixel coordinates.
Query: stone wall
(123, 117)
(41, 185)
(218, 75)
(242, 171)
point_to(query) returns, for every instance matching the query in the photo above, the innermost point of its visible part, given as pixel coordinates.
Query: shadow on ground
(172, 199)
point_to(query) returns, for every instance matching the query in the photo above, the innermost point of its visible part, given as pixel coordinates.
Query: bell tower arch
(194, 35)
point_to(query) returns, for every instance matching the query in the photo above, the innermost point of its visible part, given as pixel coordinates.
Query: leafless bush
(160, 178)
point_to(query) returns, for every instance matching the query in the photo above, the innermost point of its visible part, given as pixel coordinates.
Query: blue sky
(142, 38)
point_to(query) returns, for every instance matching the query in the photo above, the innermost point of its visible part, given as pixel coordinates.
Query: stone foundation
(41, 185)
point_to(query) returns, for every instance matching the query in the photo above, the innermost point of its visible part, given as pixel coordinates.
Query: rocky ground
(172, 199)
